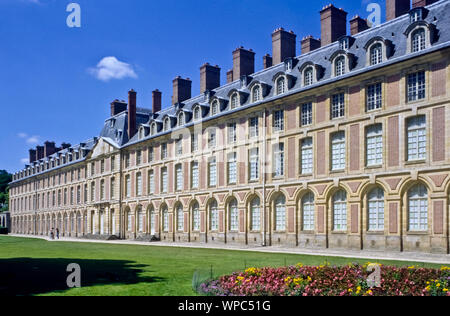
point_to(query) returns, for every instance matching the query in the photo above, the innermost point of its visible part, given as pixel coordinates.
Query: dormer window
(197, 115)
(418, 40)
(416, 15)
(344, 43)
(419, 36)
(153, 129)
(141, 133)
(214, 108)
(166, 124)
(376, 54)
(181, 120)
(281, 86)
(256, 93)
(339, 66)
(234, 101)
(308, 76)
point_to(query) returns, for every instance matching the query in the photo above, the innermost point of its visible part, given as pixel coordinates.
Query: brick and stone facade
(162, 181)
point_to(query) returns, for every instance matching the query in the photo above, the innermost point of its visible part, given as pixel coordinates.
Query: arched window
(280, 213)
(129, 221)
(255, 213)
(281, 85)
(234, 101)
(214, 216)
(165, 219)
(308, 76)
(418, 208)
(197, 113)
(180, 218)
(376, 54)
(153, 129)
(340, 211)
(140, 221)
(181, 120)
(214, 108)
(166, 124)
(195, 217)
(375, 206)
(339, 66)
(152, 221)
(256, 93)
(234, 215)
(308, 212)
(418, 40)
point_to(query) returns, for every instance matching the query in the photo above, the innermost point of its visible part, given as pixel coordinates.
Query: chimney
(131, 113)
(243, 62)
(230, 76)
(357, 25)
(422, 3)
(396, 8)
(209, 77)
(156, 101)
(283, 45)
(181, 90)
(309, 44)
(267, 61)
(49, 148)
(40, 152)
(118, 107)
(32, 155)
(65, 146)
(333, 24)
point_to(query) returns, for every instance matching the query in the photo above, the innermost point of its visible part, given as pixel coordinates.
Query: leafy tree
(5, 179)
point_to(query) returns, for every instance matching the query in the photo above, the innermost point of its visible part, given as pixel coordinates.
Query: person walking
(52, 234)
(57, 233)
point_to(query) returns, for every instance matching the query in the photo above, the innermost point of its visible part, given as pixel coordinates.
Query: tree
(5, 179)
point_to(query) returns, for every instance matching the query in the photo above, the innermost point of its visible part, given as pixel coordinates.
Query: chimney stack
(131, 113)
(309, 44)
(422, 3)
(32, 155)
(39, 152)
(49, 148)
(283, 45)
(118, 107)
(267, 61)
(156, 101)
(357, 25)
(181, 90)
(243, 62)
(209, 77)
(230, 76)
(333, 24)
(65, 146)
(396, 8)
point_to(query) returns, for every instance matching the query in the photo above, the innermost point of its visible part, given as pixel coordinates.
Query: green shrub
(3, 231)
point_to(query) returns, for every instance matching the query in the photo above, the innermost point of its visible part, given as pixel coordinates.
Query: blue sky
(50, 85)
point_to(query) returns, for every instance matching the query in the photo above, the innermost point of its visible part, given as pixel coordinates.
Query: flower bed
(328, 280)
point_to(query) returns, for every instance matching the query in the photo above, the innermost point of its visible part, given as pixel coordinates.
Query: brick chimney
(156, 101)
(333, 24)
(422, 3)
(118, 107)
(32, 155)
(243, 62)
(283, 45)
(357, 25)
(209, 77)
(396, 8)
(65, 145)
(131, 113)
(181, 90)
(230, 76)
(267, 61)
(49, 148)
(39, 152)
(309, 44)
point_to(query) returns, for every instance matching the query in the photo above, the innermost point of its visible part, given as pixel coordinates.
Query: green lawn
(38, 267)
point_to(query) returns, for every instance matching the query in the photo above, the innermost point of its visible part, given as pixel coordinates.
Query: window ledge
(415, 162)
(374, 167)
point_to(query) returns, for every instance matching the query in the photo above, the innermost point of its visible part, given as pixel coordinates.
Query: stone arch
(176, 206)
(126, 213)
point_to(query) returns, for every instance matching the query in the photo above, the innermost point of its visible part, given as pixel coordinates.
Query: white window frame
(374, 145)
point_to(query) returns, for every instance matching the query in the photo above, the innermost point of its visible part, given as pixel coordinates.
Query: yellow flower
(369, 292)
(350, 290)
(445, 290)
(438, 285)
(358, 288)
(299, 265)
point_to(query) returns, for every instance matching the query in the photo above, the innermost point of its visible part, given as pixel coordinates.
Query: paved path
(369, 255)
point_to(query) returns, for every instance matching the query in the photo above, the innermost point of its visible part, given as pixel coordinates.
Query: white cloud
(111, 68)
(33, 140)
(22, 135)
(24, 160)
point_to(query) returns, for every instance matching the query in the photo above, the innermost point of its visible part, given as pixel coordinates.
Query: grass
(38, 267)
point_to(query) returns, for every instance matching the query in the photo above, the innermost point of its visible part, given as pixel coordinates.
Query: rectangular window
(128, 186)
(306, 114)
(253, 127)
(338, 106)
(102, 190)
(163, 151)
(278, 121)
(232, 168)
(113, 188)
(138, 158)
(151, 182)
(139, 184)
(254, 164)
(179, 177)
(307, 156)
(92, 169)
(338, 151)
(194, 142)
(127, 160)
(113, 165)
(417, 138)
(374, 97)
(212, 139)
(416, 86)
(164, 182)
(212, 172)
(232, 133)
(179, 147)
(279, 160)
(151, 154)
(374, 145)
(194, 175)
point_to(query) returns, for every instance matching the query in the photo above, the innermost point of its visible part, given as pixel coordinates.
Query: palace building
(345, 146)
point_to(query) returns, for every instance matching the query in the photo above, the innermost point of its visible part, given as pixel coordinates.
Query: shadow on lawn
(29, 276)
